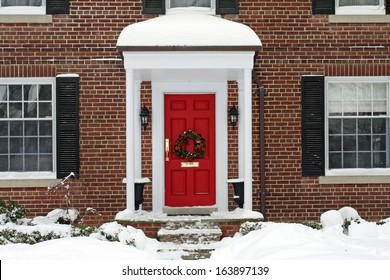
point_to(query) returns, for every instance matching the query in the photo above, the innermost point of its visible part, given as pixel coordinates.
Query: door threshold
(197, 210)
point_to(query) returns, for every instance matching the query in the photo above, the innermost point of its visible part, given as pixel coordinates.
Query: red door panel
(194, 186)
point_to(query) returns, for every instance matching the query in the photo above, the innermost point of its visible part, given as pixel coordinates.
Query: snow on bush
(349, 214)
(247, 227)
(58, 216)
(331, 218)
(116, 232)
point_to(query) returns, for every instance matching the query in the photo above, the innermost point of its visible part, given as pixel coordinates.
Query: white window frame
(361, 10)
(24, 10)
(353, 171)
(36, 174)
(208, 11)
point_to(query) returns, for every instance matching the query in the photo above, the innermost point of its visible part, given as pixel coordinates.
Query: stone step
(190, 233)
(185, 254)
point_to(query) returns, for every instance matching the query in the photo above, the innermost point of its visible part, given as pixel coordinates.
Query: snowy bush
(313, 225)
(58, 216)
(11, 212)
(10, 235)
(113, 232)
(247, 227)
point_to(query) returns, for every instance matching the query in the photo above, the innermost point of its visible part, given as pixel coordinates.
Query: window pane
(3, 93)
(45, 92)
(349, 126)
(45, 145)
(349, 160)
(364, 126)
(44, 110)
(30, 110)
(364, 143)
(31, 145)
(190, 3)
(3, 110)
(364, 160)
(16, 163)
(378, 126)
(45, 128)
(16, 128)
(15, 93)
(16, 145)
(3, 128)
(334, 126)
(31, 163)
(45, 163)
(15, 110)
(334, 143)
(349, 143)
(7, 3)
(3, 145)
(379, 143)
(358, 2)
(3, 163)
(335, 160)
(31, 128)
(379, 160)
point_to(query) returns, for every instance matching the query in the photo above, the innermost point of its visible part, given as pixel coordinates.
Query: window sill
(28, 183)
(374, 179)
(26, 19)
(359, 19)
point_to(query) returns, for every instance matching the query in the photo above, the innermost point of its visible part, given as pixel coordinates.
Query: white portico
(184, 54)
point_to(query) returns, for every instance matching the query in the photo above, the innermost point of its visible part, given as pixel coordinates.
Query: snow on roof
(188, 30)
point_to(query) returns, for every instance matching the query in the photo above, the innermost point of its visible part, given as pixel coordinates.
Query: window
(22, 7)
(363, 7)
(26, 126)
(205, 6)
(357, 123)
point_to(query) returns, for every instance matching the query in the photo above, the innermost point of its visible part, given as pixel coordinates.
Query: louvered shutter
(313, 126)
(68, 146)
(57, 7)
(153, 6)
(388, 7)
(326, 7)
(227, 7)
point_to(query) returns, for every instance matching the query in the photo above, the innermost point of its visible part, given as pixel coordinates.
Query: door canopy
(188, 32)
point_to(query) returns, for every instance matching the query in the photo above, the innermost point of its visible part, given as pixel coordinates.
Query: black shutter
(387, 7)
(325, 7)
(68, 146)
(153, 6)
(313, 126)
(57, 7)
(227, 7)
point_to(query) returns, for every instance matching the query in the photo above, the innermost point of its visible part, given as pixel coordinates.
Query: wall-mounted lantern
(144, 117)
(233, 116)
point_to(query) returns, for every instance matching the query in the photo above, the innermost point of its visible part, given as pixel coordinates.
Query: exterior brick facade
(295, 43)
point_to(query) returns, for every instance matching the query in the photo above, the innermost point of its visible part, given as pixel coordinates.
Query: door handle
(166, 149)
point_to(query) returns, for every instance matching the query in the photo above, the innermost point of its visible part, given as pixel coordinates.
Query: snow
(315, 251)
(188, 29)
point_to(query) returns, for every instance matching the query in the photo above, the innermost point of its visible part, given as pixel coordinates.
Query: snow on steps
(188, 240)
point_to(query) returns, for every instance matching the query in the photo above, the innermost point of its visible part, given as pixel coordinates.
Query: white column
(247, 116)
(130, 97)
(241, 128)
(137, 130)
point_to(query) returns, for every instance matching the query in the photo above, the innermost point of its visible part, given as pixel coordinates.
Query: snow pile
(57, 216)
(363, 240)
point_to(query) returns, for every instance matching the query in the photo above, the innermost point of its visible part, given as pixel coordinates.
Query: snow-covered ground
(274, 241)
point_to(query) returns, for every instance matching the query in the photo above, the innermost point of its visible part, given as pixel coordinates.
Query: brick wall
(294, 43)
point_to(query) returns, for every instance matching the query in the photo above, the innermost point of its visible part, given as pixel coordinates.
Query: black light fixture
(144, 117)
(233, 115)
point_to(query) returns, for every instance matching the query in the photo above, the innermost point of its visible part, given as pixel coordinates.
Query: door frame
(159, 89)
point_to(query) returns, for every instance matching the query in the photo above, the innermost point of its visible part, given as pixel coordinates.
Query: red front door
(188, 185)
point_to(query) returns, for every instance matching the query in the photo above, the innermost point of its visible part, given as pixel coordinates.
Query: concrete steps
(189, 240)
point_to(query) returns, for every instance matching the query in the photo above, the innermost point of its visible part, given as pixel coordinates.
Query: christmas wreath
(180, 146)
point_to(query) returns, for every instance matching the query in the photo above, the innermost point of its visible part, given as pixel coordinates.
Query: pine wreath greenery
(180, 146)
